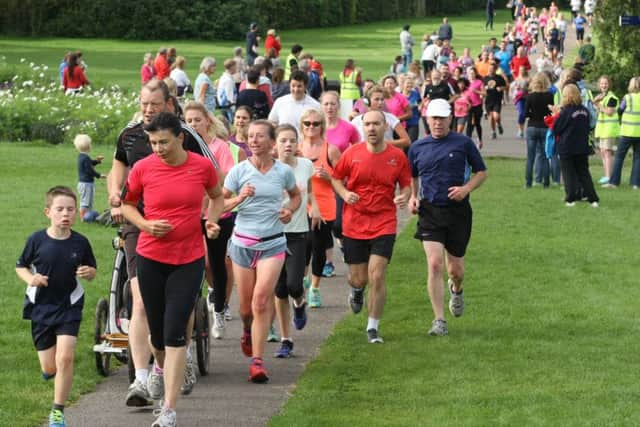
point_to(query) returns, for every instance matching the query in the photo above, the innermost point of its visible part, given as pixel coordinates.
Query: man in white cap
(440, 196)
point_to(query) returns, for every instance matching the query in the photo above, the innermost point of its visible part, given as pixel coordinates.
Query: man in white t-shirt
(430, 56)
(289, 108)
(375, 95)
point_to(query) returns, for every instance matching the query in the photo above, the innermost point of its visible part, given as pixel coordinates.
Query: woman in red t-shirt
(324, 156)
(73, 79)
(170, 250)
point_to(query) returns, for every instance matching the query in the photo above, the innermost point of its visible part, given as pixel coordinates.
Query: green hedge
(205, 19)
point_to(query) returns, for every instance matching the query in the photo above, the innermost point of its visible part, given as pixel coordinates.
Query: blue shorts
(86, 191)
(248, 258)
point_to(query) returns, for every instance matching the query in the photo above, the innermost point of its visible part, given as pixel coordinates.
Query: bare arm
(459, 193)
(315, 211)
(31, 279)
(295, 199)
(157, 228)
(403, 140)
(115, 181)
(414, 200)
(349, 197)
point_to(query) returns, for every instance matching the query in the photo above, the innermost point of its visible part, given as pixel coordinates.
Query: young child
(51, 263)
(86, 176)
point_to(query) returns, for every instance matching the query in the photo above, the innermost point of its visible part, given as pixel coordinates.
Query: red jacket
(272, 42)
(161, 65)
(77, 80)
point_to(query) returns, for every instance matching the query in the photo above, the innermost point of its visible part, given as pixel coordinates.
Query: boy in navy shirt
(51, 263)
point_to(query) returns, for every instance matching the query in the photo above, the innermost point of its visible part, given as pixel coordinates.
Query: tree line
(205, 19)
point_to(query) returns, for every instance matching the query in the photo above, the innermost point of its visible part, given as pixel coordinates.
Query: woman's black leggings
(319, 241)
(475, 120)
(169, 294)
(217, 254)
(292, 274)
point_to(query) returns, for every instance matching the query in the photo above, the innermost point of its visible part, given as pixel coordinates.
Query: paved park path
(225, 397)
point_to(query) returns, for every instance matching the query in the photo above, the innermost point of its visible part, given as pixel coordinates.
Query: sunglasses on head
(315, 124)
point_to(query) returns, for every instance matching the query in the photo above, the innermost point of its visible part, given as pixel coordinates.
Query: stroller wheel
(102, 359)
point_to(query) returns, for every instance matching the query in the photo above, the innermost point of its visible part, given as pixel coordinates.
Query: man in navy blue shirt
(440, 165)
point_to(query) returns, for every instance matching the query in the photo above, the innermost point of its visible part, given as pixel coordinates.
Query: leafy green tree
(617, 51)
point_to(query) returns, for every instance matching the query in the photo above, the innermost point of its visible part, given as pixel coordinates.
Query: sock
(189, 354)
(285, 339)
(357, 289)
(257, 360)
(296, 305)
(47, 377)
(247, 331)
(373, 323)
(158, 370)
(142, 375)
(55, 407)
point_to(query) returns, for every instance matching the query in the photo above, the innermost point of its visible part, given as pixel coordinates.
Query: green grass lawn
(549, 335)
(373, 46)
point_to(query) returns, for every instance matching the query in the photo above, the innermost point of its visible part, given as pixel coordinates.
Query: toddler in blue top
(86, 177)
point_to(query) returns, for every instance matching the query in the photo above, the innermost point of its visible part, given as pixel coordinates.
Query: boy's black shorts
(449, 225)
(44, 336)
(358, 251)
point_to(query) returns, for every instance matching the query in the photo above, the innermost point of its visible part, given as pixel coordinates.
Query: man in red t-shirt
(520, 60)
(365, 178)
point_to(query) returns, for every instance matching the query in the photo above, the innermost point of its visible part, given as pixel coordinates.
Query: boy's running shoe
(56, 418)
(155, 385)
(356, 299)
(438, 328)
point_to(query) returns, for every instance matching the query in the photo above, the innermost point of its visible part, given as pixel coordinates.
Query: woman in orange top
(324, 157)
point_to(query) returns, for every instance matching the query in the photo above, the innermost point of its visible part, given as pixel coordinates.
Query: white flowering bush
(33, 107)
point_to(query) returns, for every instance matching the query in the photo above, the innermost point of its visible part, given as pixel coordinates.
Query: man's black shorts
(491, 105)
(44, 336)
(449, 225)
(357, 251)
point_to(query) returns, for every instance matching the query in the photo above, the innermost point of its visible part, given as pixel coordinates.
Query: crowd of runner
(257, 178)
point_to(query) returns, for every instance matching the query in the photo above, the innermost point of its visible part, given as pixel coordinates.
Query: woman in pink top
(147, 71)
(395, 103)
(219, 275)
(339, 132)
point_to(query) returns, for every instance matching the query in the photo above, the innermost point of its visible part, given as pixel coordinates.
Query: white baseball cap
(438, 108)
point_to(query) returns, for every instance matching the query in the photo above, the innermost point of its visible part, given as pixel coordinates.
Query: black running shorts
(44, 336)
(357, 251)
(449, 225)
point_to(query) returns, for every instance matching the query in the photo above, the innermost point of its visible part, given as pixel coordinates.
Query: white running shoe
(218, 328)
(155, 385)
(190, 378)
